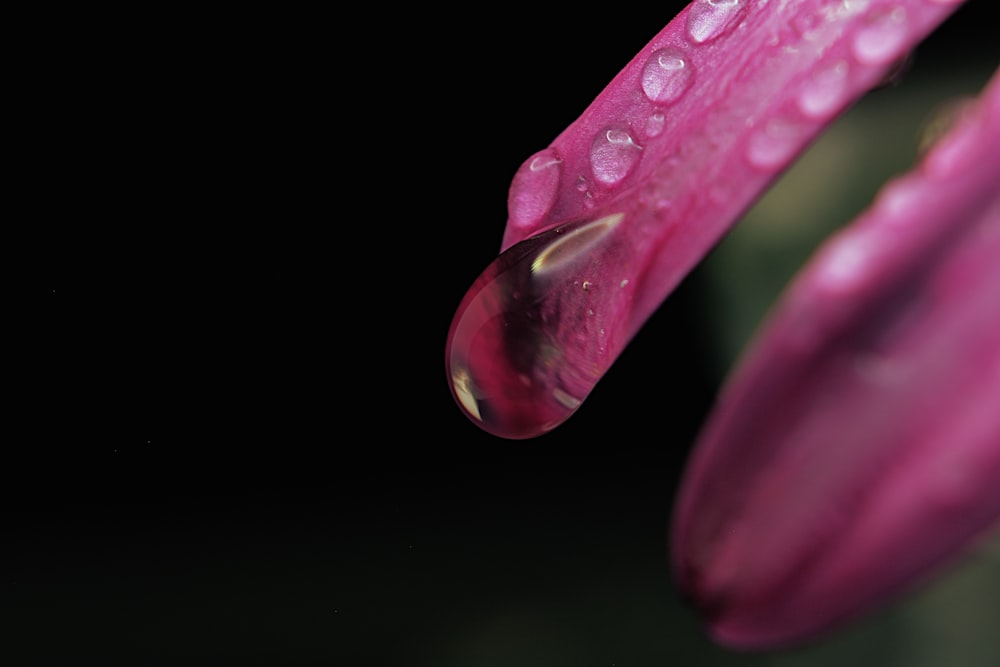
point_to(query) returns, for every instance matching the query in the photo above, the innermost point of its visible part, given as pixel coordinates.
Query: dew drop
(824, 93)
(883, 39)
(534, 188)
(775, 144)
(666, 76)
(613, 155)
(808, 25)
(655, 124)
(850, 8)
(845, 263)
(709, 19)
(539, 327)
(899, 200)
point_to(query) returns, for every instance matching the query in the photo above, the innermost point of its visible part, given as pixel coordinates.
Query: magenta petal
(636, 191)
(857, 446)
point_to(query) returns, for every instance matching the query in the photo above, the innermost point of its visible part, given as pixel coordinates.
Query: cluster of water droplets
(617, 148)
(879, 40)
(515, 365)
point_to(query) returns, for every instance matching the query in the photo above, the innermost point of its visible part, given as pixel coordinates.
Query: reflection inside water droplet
(540, 326)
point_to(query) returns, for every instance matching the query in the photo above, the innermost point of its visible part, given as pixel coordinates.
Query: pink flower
(857, 445)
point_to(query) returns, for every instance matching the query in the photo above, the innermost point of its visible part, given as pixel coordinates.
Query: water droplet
(845, 262)
(655, 124)
(539, 328)
(900, 199)
(534, 188)
(775, 144)
(824, 93)
(883, 39)
(808, 25)
(666, 76)
(613, 155)
(852, 7)
(709, 19)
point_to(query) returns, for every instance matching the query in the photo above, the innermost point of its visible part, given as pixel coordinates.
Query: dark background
(231, 438)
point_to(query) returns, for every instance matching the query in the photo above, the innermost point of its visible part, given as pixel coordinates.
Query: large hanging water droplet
(709, 19)
(539, 328)
(613, 155)
(666, 76)
(534, 188)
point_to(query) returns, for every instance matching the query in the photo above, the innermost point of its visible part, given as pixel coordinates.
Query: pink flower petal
(857, 446)
(681, 142)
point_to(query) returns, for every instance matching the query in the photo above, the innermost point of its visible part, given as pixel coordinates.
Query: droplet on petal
(883, 39)
(539, 328)
(534, 188)
(666, 75)
(775, 144)
(613, 155)
(655, 124)
(710, 19)
(825, 91)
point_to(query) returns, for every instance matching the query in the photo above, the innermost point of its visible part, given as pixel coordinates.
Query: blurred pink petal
(856, 449)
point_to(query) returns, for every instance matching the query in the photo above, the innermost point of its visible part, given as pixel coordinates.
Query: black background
(231, 439)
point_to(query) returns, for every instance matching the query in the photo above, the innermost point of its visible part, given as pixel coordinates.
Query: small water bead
(776, 143)
(534, 188)
(539, 328)
(809, 26)
(710, 19)
(845, 263)
(655, 124)
(848, 8)
(613, 155)
(666, 76)
(900, 199)
(825, 92)
(883, 39)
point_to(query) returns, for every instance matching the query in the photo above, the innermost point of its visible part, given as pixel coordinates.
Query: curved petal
(857, 445)
(681, 142)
